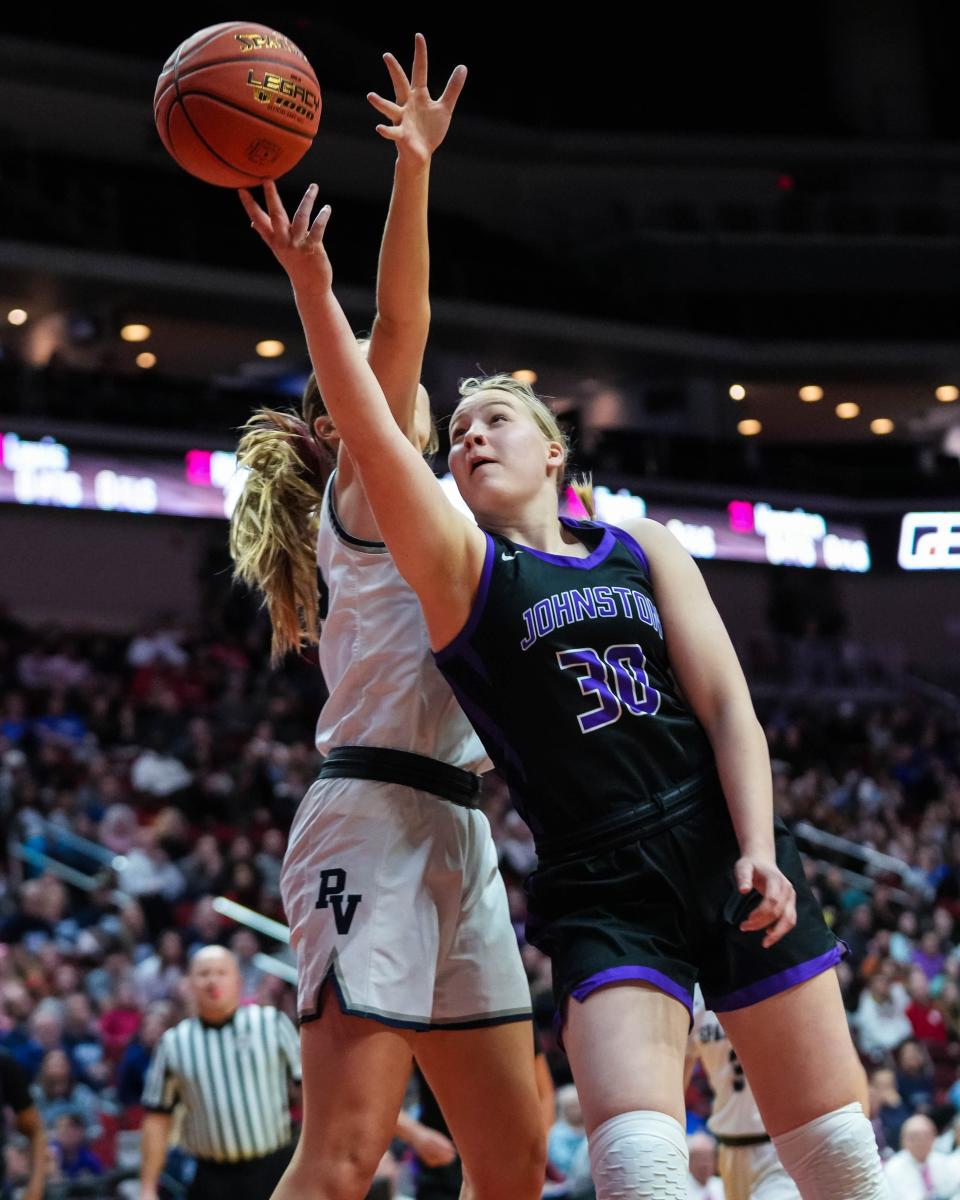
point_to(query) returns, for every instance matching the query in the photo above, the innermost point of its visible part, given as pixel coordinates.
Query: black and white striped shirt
(231, 1080)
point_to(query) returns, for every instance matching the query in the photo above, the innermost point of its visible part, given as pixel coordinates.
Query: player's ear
(324, 428)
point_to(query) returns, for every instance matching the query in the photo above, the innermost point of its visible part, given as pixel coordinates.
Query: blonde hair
(545, 421)
(273, 529)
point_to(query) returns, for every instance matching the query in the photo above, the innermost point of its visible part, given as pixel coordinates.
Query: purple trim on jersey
(570, 560)
(461, 641)
(646, 974)
(631, 543)
(481, 720)
(773, 985)
(475, 662)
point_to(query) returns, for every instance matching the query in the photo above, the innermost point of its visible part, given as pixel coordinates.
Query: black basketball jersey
(563, 672)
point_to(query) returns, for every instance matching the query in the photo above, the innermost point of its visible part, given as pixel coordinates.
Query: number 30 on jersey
(616, 679)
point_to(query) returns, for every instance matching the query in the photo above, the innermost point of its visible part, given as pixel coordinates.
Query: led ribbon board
(930, 541)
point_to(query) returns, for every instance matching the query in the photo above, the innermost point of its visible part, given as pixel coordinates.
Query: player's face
(498, 456)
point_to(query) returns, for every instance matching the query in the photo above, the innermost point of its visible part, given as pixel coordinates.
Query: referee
(228, 1068)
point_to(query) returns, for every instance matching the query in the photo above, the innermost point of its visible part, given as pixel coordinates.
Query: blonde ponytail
(273, 530)
(583, 488)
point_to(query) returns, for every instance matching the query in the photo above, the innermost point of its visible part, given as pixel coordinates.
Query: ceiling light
(881, 425)
(525, 376)
(749, 427)
(737, 391)
(146, 360)
(270, 348)
(810, 393)
(135, 333)
(947, 393)
(847, 410)
(17, 316)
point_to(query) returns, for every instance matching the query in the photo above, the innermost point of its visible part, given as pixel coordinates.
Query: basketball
(236, 104)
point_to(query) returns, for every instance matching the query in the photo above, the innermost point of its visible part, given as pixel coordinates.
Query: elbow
(731, 711)
(409, 318)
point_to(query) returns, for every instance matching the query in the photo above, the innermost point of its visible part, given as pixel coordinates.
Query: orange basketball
(236, 104)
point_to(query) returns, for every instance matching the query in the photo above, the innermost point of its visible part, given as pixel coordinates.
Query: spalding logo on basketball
(236, 104)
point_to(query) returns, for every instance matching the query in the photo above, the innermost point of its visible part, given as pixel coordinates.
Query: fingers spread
(258, 218)
(278, 214)
(451, 93)
(393, 133)
(301, 218)
(387, 107)
(401, 85)
(320, 224)
(419, 74)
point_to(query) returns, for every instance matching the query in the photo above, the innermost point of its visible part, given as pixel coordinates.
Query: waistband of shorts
(748, 1139)
(409, 770)
(664, 809)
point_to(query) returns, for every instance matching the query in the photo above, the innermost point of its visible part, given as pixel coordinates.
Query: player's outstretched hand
(418, 124)
(777, 911)
(297, 244)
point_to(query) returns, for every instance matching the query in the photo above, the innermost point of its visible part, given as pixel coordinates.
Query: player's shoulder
(647, 531)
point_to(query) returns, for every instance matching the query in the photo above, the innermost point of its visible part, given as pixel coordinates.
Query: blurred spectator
(15, 1038)
(918, 1172)
(881, 1019)
(703, 1182)
(915, 1079)
(31, 917)
(132, 1069)
(159, 977)
(888, 1110)
(120, 1019)
(269, 861)
(245, 947)
(567, 1134)
(157, 645)
(929, 956)
(204, 867)
(73, 1156)
(103, 982)
(925, 1017)
(46, 1034)
(149, 871)
(82, 1042)
(55, 1093)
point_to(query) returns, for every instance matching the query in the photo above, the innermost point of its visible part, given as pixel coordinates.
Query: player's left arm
(416, 124)
(711, 678)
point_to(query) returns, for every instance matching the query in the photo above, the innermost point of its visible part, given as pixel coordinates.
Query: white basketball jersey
(384, 688)
(735, 1112)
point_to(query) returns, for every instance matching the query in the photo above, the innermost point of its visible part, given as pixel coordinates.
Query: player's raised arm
(438, 550)
(416, 124)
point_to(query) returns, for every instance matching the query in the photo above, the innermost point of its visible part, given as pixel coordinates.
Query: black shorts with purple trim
(663, 908)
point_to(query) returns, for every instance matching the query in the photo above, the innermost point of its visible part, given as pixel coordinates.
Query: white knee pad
(639, 1156)
(834, 1157)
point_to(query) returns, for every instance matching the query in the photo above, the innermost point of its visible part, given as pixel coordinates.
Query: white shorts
(395, 896)
(754, 1173)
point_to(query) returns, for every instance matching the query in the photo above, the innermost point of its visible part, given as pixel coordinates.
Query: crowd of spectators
(183, 757)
